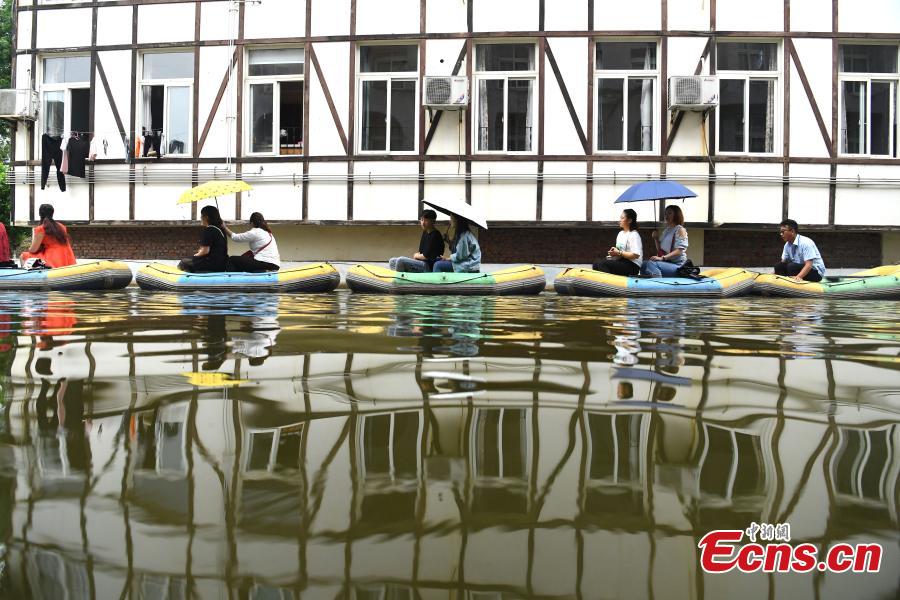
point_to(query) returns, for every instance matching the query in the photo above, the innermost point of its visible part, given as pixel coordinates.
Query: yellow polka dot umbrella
(213, 189)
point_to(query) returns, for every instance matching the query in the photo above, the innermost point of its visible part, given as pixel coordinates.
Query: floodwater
(377, 447)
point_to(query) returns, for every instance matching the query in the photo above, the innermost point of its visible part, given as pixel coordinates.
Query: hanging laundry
(78, 149)
(152, 143)
(64, 148)
(51, 153)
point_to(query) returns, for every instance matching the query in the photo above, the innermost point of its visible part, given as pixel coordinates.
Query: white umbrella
(460, 209)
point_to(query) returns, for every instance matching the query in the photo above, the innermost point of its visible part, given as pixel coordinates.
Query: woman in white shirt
(625, 257)
(263, 254)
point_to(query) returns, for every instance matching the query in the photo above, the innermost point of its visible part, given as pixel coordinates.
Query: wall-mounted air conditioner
(19, 105)
(446, 93)
(696, 92)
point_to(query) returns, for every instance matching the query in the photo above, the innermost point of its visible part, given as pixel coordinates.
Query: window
(167, 81)
(868, 100)
(276, 101)
(66, 94)
(504, 84)
(748, 79)
(390, 445)
(388, 91)
(626, 96)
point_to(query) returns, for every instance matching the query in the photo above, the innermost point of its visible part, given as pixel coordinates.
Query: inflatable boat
(880, 283)
(714, 283)
(515, 281)
(97, 275)
(309, 279)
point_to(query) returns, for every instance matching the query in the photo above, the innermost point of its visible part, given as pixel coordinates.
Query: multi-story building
(319, 105)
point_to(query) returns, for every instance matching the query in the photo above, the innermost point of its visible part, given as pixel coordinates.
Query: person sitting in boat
(431, 248)
(50, 241)
(212, 256)
(800, 258)
(625, 257)
(465, 253)
(671, 246)
(263, 253)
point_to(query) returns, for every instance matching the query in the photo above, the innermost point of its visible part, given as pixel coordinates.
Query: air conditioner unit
(446, 93)
(19, 105)
(695, 93)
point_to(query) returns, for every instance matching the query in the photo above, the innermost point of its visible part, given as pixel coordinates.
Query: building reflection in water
(374, 460)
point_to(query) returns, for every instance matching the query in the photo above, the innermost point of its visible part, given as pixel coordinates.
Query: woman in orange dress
(50, 241)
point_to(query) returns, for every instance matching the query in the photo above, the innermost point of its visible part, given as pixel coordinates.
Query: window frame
(391, 475)
(626, 75)
(389, 77)
(166, 83)
(66, 88)
(869, 78)
(506, 77)
(275, 81)
(748, 76)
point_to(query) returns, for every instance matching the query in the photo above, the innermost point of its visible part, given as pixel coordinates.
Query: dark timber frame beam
(809, 95)
(567, 98)
(328, 99)
(216, 103)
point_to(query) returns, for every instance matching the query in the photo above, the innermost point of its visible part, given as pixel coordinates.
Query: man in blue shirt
(800, 258)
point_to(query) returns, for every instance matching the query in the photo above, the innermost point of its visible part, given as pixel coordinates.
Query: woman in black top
(212, 255)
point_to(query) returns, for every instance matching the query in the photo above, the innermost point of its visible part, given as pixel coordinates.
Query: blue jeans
(443, 266)
(404, 264)
(659, 268)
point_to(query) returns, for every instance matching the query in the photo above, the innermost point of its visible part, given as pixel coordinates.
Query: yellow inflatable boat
(880, 283)
(715, 283)
(310, 279)
(516, 281)
(97, 275)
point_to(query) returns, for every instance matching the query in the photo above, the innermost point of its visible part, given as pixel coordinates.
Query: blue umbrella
(664, 189)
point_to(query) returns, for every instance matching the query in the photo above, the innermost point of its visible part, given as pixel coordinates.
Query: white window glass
(54, 113)
(287, 61)
(403, 114)
(743, 56)
(169, 65)
(262, 112)
(388, 101)
(626, 56)
(731, 115)
(865, 58)
(491, 93)
(747, 96)
(388, 59)
(68, 69)
(868, 99)
(505, 102)
(640, 115)
(762, 115)
(883, 114)
(610, 114)
(178, 117)
(374, 112)
(290, 112)
(626, 96)
(519, 115)
(504, 57)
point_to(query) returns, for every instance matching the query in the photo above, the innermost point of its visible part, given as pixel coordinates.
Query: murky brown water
(216, 446)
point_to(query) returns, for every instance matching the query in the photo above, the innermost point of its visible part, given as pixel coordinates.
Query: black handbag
(689, 270)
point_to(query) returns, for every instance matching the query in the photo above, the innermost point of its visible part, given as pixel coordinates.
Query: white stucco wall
(173, 24)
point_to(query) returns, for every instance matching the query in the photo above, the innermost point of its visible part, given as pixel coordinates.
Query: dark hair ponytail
(258, 221)
(212, 215)
(51, 227)
(632, 218)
